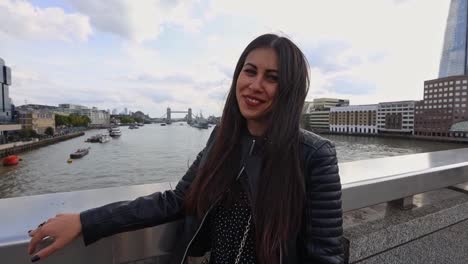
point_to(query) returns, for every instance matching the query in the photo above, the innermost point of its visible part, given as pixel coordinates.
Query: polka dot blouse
(227, 227)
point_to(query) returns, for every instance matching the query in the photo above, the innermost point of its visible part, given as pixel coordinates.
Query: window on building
(457, 88)
(450, 94)
(457, 82)
(465, 81)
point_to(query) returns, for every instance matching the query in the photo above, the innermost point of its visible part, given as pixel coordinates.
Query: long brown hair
(281, 193)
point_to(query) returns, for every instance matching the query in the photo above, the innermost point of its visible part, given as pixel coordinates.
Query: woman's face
(257, 84)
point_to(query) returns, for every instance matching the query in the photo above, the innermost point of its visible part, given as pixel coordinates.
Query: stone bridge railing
(390, 205)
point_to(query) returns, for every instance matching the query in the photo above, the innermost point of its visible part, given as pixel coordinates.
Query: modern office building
(6, 107)
(320, 104)
(396, 117)
(5, 102)
(360, 119)
(454, 54)
(443, 112)
(317, 113)
(99, 118)
(72, 108)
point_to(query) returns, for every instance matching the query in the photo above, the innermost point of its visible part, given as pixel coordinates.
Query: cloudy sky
(150, 54)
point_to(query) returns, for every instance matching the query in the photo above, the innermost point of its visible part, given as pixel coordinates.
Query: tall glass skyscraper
(454, 54)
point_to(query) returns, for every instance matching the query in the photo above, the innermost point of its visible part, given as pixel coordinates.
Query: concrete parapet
(386, 234)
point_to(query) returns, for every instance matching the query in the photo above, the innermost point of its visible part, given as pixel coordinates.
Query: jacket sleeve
(155, 209)
(323, 227)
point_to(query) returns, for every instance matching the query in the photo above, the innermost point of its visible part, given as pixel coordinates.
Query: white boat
(104, 138)
(115, 132)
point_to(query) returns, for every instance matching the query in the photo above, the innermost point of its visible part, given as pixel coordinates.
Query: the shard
(454, 54)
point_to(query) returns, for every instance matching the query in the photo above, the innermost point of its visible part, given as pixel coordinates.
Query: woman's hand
(63, 228)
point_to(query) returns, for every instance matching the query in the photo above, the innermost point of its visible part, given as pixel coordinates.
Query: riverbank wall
(409, 137)
(19, 147)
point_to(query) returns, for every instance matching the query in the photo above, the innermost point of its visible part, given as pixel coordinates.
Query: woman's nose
(256, 83)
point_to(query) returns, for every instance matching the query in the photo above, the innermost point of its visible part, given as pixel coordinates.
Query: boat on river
(199, 122)
(99, 138)
(78, 154)
(93, 139)
(115, 132)
(104, 138)
(11, 160)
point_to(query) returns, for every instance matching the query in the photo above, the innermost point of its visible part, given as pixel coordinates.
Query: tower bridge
(169, 113)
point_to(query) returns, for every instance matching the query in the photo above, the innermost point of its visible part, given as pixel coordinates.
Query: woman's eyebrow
(254, 66)
(250, 64)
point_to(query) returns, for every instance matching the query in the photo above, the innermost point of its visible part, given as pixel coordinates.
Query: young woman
(262, 190)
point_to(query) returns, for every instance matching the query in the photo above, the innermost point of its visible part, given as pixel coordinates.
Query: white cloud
(388, 46)
(406, 34)
(20, 19)
(138, 20)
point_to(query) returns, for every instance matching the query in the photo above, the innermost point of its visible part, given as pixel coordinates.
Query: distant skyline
(148, 55)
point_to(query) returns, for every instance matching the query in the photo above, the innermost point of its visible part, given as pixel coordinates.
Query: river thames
(154, 154)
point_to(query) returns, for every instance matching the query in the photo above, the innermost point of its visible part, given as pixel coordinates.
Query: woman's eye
(273, 78)
(250, 71)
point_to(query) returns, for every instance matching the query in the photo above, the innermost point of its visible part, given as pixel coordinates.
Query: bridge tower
(189, 116)
(168, 115)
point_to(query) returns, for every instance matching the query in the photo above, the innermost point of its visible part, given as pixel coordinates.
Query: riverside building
(396, 117)
(443, 112)
(354, 119)
(37, 120)
(317, 113)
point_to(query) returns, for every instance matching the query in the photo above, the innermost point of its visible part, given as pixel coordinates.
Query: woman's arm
(93, 224)
(323, 227)
(155, 209)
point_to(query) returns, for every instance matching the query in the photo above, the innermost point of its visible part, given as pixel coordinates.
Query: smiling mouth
(251, 101)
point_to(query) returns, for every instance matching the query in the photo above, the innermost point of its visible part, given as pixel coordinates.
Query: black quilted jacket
(320, 238)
